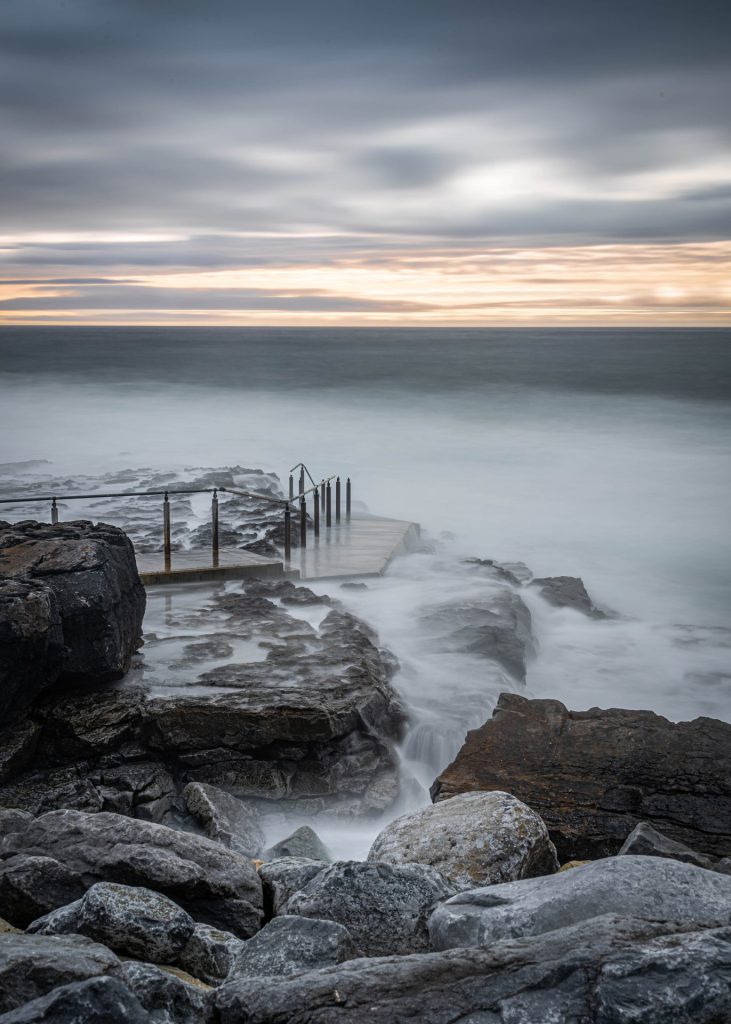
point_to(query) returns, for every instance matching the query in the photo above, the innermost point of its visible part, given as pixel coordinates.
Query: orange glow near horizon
(638, 284)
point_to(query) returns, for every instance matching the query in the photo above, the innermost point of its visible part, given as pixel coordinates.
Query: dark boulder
(71, 608)
(101, 1000)
(168, 997)
(209, 953)
(283, 877)
(293, 945)
(32, 965)
(224, 818)
(385, 908)
(593, 775)
(215, 885)
(646, 841)
(31, 886)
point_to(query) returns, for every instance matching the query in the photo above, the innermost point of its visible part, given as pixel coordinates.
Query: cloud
(233, 134)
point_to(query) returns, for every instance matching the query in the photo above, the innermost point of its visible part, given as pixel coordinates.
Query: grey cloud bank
(414, 124)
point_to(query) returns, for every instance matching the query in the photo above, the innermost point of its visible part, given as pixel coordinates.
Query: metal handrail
(321, 493)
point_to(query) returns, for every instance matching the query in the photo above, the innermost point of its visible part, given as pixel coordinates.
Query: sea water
(597, 453)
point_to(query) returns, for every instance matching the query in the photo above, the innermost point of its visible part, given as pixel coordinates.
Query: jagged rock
(31, 886)
(166, 997)
(293, 945)
(284, 877)
(592, 775)
(474, 839)
(496, 627)
(646, 887)
(605, 971)
(644, 840)
(209, 953)
(17, 746)
(31, 641)
(32, 965)
(303, 843)
(96, 1001)
(567, 592)
(131, 920)
(71, 606)
(384, 908)
(215, 885)
(224, 818)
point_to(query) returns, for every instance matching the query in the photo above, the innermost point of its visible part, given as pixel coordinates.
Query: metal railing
(321, 504)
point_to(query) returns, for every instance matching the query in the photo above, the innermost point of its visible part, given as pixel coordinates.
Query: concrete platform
(364, 546)
(196, 567)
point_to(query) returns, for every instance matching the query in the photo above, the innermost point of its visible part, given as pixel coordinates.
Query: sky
(412, 162)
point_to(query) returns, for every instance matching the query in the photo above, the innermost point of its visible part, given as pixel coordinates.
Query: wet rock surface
(215, 885)
(648, 887)
(71, 607)
(473, 840)
(593, 775)
(293, 945)
(567, 592)
(496, 627)
(385, 908)
(581, 973)
(194, 719)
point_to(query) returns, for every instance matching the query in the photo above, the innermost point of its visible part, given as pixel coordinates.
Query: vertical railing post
(54, 512)
(322, 496)
(303, 521)
(291, 487)
(337, 500)
(302, 481)
(287, 534)
(347, 498)
(166, 532)
(214, 528)
(316, 512)
(328, 506)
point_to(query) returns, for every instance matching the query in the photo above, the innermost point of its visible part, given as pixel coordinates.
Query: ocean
(597, 453)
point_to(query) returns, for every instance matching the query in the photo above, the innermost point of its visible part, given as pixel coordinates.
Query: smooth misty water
(597, 453)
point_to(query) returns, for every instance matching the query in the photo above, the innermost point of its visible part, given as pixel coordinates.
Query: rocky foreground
(573, 867)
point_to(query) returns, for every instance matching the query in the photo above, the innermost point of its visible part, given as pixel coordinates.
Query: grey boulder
(385, 908)
(32, 965)
(225, 818)
(213, 884)
(293, 945)
(474, 839)
(644, 887)
(284, 877)
(131, 920)
(209, 953)
(304, 842)
(96, 1001)
(165, 996)
(606, 971)
(31, 886)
